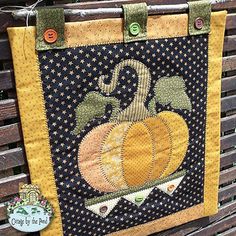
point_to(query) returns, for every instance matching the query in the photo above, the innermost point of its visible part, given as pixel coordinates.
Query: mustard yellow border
(33, 116)
(33, 119)
(212, 148)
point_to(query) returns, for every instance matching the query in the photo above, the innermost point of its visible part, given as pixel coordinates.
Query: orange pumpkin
(116, 156)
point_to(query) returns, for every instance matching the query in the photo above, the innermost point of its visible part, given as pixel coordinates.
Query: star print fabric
(69, 75)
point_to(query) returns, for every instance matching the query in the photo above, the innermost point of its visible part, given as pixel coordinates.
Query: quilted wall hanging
(121, 117)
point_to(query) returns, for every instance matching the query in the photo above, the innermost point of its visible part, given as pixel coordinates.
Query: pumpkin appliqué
(137, 145)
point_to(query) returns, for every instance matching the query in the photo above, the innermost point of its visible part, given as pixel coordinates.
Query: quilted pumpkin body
(116, 156)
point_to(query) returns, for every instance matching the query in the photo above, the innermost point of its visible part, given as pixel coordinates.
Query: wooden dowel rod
(152, 10)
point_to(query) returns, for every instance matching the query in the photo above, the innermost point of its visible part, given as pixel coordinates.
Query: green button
(139, 198)
(134, 28)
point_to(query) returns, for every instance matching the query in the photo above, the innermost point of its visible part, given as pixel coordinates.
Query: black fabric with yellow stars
(69, 74)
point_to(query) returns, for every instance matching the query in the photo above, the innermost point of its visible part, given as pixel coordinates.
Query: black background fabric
(69, 74)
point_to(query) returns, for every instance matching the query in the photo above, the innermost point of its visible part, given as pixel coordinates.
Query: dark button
(103, 209)
(134, 28)
(50, 36)
(199, 23)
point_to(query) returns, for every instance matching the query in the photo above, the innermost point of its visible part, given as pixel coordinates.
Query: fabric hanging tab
(135, 22)
(50, 29)
(199, 17)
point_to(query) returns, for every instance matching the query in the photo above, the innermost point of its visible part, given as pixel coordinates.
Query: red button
(199, 23)
(50, 36)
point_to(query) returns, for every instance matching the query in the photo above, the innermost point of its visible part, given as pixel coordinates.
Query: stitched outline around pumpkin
(89, 202)
(187, 143)
(102, 144)
(155, 153)
(78, 161)
(122, 151)
(171, 145)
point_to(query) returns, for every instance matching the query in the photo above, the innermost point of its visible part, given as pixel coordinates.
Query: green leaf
(94, 106)
(172, 91)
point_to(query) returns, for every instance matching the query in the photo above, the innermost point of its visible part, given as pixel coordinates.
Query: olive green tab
(50, 28)
(135, 22)
(199, 17)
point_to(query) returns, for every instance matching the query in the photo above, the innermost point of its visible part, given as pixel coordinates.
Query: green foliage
(172, 91)
(94, 106)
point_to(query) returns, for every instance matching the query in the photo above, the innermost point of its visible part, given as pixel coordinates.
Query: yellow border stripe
(212, 148)
(111, 30)
(33, 119)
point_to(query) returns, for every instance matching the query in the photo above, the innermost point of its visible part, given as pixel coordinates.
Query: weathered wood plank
(228, 175)
(228, 103)
(10, 134)
(228, 123)
(7, 230)
(8, 108)
(217, 226)
(230, 43)
(228, 83)
(8, 2)
(228, 141)
(230, 22)
(224, 210)
(6, 20)
(114, 3)
(5, 49)
(10, 185)
(7, 80)
(12, 158)
(227, 158)
(229, 63)
(227, 192)
(3, 215)
(230, 232)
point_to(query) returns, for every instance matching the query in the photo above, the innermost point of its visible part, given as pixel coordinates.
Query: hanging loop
(50, 25)
(135, 22)
(199, 17)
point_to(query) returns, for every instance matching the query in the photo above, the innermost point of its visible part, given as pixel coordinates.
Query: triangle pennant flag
(103, 208)
(170, 186)
(138, 197)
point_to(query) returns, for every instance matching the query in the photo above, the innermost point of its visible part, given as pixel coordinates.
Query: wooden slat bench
(13, 165)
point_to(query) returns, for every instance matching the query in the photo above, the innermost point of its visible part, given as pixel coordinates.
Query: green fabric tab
(199, 17)
(135, 22)
(50, 19)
